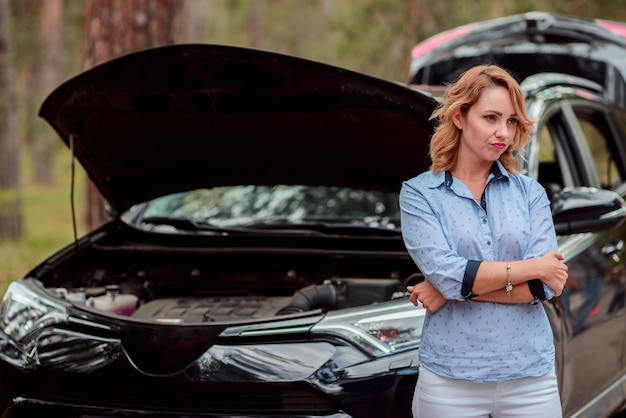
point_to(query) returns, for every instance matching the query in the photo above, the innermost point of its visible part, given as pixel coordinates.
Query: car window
(555, 170)
(597, 136)
(577, 148)
(549, 168)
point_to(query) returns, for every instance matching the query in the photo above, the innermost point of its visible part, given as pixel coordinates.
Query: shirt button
(488, 242)
(484, 220)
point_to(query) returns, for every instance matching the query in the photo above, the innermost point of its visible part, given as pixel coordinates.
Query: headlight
(380, 329)
(25, 311)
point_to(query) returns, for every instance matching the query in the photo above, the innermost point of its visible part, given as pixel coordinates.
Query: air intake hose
(322, 296)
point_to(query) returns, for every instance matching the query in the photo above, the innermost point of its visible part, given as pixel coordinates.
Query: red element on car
(615, 27)
(432, 43)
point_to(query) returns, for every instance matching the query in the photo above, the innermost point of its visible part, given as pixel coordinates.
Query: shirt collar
(497, 172)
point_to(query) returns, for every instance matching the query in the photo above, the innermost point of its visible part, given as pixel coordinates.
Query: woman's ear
(457, 119)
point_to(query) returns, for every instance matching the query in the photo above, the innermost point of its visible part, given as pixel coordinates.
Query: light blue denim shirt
(448, 234)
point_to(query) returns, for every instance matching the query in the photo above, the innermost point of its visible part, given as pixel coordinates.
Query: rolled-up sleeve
(426, 241)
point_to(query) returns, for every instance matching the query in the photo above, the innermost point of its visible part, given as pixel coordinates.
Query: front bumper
(77, 377)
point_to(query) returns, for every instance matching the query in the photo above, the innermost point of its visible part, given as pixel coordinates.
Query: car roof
(528, 44)
(183, 117)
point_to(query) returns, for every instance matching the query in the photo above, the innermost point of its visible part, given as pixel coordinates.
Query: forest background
(45, 44)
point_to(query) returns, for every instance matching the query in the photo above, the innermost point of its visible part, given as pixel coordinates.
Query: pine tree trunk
(10, 187)
(118, 27)
(47, 78)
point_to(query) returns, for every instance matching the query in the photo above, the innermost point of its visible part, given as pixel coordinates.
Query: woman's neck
(472, 172)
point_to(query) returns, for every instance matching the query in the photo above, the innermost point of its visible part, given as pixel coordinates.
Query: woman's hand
(428, 295)
(554, 271)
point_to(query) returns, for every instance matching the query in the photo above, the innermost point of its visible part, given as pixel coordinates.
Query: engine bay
(331, 295)
(208, 288)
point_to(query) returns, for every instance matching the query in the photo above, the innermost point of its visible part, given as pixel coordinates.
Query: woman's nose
(503, 131)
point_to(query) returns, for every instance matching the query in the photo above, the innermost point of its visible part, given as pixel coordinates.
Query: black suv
(254, 265)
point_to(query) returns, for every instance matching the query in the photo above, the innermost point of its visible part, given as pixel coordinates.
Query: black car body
(254, 264)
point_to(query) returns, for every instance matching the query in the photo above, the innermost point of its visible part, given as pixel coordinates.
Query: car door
(579, 145)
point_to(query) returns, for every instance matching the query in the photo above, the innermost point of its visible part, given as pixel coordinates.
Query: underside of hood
(188, 116)
(528, 44)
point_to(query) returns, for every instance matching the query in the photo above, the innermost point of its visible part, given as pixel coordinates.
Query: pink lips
(499, 145)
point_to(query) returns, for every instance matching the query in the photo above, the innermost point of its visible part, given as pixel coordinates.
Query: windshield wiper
(187, 224)
(326, 227)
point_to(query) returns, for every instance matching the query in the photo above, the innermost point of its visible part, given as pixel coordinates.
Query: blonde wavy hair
(461, 96)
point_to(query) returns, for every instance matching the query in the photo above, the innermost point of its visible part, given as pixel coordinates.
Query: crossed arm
(491, 280)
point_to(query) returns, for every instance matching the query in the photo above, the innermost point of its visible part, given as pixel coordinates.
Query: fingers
(555, 254)
(413, 297)
(557, 276)
(424, 293)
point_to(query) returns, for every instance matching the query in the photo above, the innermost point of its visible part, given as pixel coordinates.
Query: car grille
(171, 395)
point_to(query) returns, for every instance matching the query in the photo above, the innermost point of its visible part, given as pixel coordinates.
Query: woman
(483, 236)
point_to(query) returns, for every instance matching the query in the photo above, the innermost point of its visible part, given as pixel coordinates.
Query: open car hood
(188, 116)
(528, 44)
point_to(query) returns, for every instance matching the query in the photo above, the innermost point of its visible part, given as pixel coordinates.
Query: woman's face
(488, 128)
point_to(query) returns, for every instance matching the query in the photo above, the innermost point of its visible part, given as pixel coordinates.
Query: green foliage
(9, 195)
(48, 223)
(371, 36)
(25, 15)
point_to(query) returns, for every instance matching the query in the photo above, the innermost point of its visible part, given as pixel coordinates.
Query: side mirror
(586, 209)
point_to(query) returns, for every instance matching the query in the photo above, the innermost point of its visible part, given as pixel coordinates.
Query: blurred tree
(118, 27)
(44, 76)
(10, 186)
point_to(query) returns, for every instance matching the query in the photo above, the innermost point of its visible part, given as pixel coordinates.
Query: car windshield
(240, 206)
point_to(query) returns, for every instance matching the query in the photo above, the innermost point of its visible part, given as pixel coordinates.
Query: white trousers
(441, 397)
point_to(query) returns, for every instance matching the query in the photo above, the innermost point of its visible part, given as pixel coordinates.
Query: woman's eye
(513, 121)
(490, 117)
